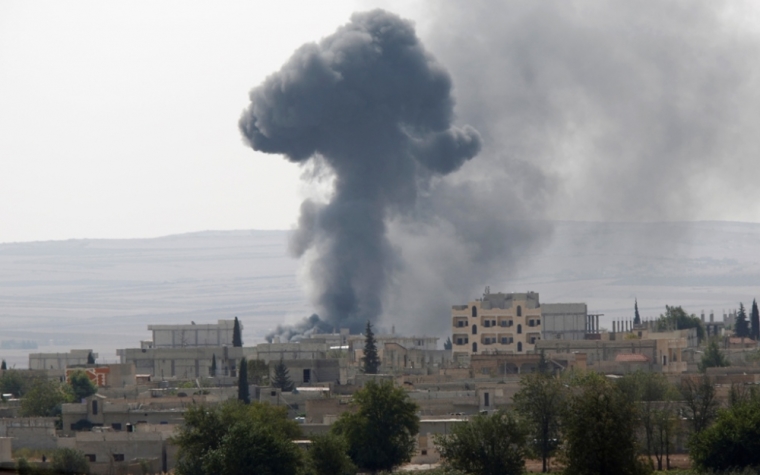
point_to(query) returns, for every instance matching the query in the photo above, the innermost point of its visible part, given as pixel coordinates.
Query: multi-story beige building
(497, 322)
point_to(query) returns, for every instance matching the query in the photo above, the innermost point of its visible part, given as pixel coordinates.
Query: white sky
(119, 119)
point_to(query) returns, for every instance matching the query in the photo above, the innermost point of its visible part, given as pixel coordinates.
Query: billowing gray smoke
(373, 106)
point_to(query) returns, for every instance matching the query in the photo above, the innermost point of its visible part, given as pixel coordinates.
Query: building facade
(498, 322)
(183, 336)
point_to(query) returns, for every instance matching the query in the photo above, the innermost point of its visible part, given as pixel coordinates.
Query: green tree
(205, 429)
(713, 357)
(3, 366)
(599, 428)
(90, 358)
(381, 432)
(282, 377)
(486, 445)
(252, 449)
(44, 399)
(447, 345)
(243, 394)
(81, 386)
(70, 462)
(676, 318)
(755, 321)
(213, 365)
(258, 372)
(371, 360)
(12, 382)
(237, 336)
(741, 327)
(328, 456)
(700, 402)
(636, 316)
(540, 402)
(732, 442)
(653, 396)
(24, 468)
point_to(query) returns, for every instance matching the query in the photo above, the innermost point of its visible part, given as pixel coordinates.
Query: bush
(732, 442)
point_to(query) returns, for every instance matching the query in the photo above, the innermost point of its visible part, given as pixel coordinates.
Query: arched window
(519, 346)
(519, 329)
(474, 329)
(474, 311)
(519, 311)
(474, 347)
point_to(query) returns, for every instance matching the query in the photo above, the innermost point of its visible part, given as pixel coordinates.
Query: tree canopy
(540, 402)
(381, 432)
(486, 445)
(243, 393)
(328, 456)
(281, 377)
(732, 442)
(81, 386)
(237, 336)
(676, 318)
(206, 436)
(371, 361)
(713, 357)
(741, 327)
(70, 462)
(44, 398)
(599, 427)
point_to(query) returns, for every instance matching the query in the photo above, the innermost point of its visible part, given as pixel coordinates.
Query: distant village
(127, 425)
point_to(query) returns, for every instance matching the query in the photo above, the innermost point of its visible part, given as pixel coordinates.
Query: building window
(538, 322)
(423, 452)
(90, 457)
(487, 323)
(94, 408)
(503, 323)
(474, 329)
(519, 346)
(474, 311)
(460, 323)
(486, 400)
(519, 329)
(519, 311)
(118, 457)
(474, 347)
(116, 426)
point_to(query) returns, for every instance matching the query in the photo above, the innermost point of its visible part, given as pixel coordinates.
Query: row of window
(475, 311)
(116, 457)
(502, 323)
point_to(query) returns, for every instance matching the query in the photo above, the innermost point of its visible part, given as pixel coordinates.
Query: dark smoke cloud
(373, 106)
(589, 110)
(640, 110)
(304, 329)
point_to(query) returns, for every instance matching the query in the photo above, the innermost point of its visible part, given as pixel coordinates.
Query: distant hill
(102, 294)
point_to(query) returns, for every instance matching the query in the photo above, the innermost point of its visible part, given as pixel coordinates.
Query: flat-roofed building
(190, 335)
(59, 361)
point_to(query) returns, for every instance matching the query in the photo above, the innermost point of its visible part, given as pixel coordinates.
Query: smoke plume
(375, 108)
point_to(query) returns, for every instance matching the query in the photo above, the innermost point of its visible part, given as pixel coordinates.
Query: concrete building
(119, 415)
(497, 323)
(145, 448)
(564, 321)
(184, 363)
(59, 361)
(513, 323)
(182, 336)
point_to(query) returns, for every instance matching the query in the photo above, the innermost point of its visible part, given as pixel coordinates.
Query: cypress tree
(741, 327)
(237, 337)
(90, 358)
(243, 382)
(636, 317)
(281, 377)
(755, 321)
(371, 360)
(213, 365)
(3, 366)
